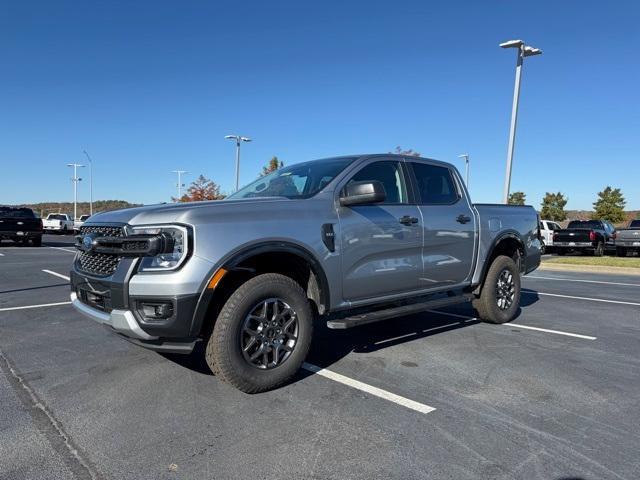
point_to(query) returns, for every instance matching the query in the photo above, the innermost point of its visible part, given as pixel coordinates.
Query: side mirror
(363, 193)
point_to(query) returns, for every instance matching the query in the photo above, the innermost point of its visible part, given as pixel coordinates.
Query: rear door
(449, 225)
(382, 242)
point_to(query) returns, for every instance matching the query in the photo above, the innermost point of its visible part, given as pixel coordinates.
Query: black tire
(599, 250)
(621, 252)
(224, 353)
(561, 252)
(36, 241)
(64, 230)
(543, 248)
(486, 304)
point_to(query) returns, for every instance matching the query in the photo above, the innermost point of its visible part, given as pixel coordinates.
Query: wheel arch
(508, 243)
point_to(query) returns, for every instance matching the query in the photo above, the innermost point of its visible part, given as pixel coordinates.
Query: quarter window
(390, 175)
(435, 184)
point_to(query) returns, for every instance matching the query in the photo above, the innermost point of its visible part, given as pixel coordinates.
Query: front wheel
(500, 297)
(262, 334)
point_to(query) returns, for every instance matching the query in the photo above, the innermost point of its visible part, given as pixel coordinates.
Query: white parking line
(378, 392)
(1, 254)
(63, 249)
(8, 309)
(584, 281)
(546, 330)
(619, 302)
(59, 275)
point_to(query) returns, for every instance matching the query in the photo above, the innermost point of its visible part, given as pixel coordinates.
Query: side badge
(329, 237)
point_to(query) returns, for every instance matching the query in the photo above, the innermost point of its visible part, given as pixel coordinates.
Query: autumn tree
(609, 206)
(517, 198)
(273, 165)
(553, 207)
(201, 189)
(411, 153)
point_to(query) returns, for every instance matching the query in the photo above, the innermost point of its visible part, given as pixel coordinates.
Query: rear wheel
(599, 250)
(36, 241)
(262, 334)
(543, 247)
(561, 252)
(621, 252)
(500, 297)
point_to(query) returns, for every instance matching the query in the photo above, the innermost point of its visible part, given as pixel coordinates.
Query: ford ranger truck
(338, 243)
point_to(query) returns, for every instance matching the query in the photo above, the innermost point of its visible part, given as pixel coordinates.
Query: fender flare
(496, 241)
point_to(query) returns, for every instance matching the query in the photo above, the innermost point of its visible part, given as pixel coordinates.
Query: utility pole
(238, 139)
(466, 168)
(180, 184)
(75, 179)
(523, 51)
(90, 183)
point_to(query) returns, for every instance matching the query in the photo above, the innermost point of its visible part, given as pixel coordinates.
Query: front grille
(99, 264)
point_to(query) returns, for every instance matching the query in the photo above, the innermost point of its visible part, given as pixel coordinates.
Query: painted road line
(364, 387)
(63, 249)
(59, 275)
(546, 330)
(585, 281)
(619, 302)
(26, 307)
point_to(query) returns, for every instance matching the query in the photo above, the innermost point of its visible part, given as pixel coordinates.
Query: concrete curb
(558, 267)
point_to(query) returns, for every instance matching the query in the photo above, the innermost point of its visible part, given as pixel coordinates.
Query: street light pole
(180, 173)
(90, 183)
(75, 181)
(523, 51)
(466, 168)
(238, 139)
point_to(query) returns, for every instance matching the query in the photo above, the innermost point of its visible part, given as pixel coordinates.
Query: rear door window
(434, 184)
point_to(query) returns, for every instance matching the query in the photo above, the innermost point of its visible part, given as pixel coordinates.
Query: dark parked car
(586, 236)
(628, 239)
(20, 225)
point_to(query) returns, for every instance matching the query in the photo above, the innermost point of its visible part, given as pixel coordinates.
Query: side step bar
(377, 315)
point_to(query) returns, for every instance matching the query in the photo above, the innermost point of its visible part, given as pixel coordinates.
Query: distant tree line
(45, 208)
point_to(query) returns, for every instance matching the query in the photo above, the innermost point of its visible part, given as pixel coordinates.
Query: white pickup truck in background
(547, 227)
(58, 222)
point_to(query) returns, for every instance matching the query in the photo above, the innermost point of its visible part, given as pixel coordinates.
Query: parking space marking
(585, 281)
(619, 302)
(62, 249)
(25, 307)
(370, 389)
(1, 254)
(59, 275)
(546, 330)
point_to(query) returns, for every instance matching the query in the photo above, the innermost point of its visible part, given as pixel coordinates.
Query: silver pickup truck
(337, 243)
(628, 239)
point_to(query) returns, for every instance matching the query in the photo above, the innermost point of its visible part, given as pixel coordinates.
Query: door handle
(407, 220)
(463, 219)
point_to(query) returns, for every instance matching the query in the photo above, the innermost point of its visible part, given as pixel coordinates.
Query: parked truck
(628, 239)
(58, 222)
(21, 225)
(338, 243)
(590, 237)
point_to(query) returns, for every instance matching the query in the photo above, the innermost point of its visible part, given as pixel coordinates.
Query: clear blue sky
(150, 87)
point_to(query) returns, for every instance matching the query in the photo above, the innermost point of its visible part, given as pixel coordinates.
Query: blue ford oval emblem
(87, 242)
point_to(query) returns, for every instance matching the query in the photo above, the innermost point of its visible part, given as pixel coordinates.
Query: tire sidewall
(255, 291)
(497, 267)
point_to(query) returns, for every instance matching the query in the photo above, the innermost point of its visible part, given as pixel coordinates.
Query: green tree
(609, 206)
(201, 189)
(273, 165)
(517, 198)
(553, 207)
(400, 151)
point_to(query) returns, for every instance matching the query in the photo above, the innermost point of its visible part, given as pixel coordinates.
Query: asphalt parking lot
(553, 395)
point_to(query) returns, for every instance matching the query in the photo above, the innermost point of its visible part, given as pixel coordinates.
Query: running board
(378, 315)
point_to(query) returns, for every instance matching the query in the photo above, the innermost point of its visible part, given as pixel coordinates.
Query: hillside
(43, 209)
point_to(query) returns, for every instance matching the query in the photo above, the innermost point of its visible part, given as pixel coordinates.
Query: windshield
(56, 217)
(302, 180)
(585, 224)
(84, 217)
(9, 212)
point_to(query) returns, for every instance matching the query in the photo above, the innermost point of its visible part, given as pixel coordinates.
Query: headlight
(165, 261)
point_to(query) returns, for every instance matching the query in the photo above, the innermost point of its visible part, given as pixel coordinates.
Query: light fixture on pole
(180, 184)
(523, 51)
(75, 179)
(90, 182)
(466, 168)
(238, 139)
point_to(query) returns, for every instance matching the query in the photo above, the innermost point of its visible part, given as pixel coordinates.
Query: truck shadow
(330, 346)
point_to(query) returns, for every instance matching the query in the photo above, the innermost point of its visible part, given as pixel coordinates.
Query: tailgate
(19, 224)
(573, 235)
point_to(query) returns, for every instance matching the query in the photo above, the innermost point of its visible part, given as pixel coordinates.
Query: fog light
(157, 310)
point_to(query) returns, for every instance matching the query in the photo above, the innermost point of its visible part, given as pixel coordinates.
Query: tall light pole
(180, 184)
(90, 183)
(523, 51)
(238, 139)
(466, 168)
(75, 181)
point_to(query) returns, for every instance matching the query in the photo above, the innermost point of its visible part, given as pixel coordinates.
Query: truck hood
(179, 212)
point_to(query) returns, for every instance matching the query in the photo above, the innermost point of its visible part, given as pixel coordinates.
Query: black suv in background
(21, 225)
(587, 236)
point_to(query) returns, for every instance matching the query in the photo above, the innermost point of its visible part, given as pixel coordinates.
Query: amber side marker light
(213, 283)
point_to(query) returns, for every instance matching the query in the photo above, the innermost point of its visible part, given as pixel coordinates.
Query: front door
(449, 225)
(382, 242)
